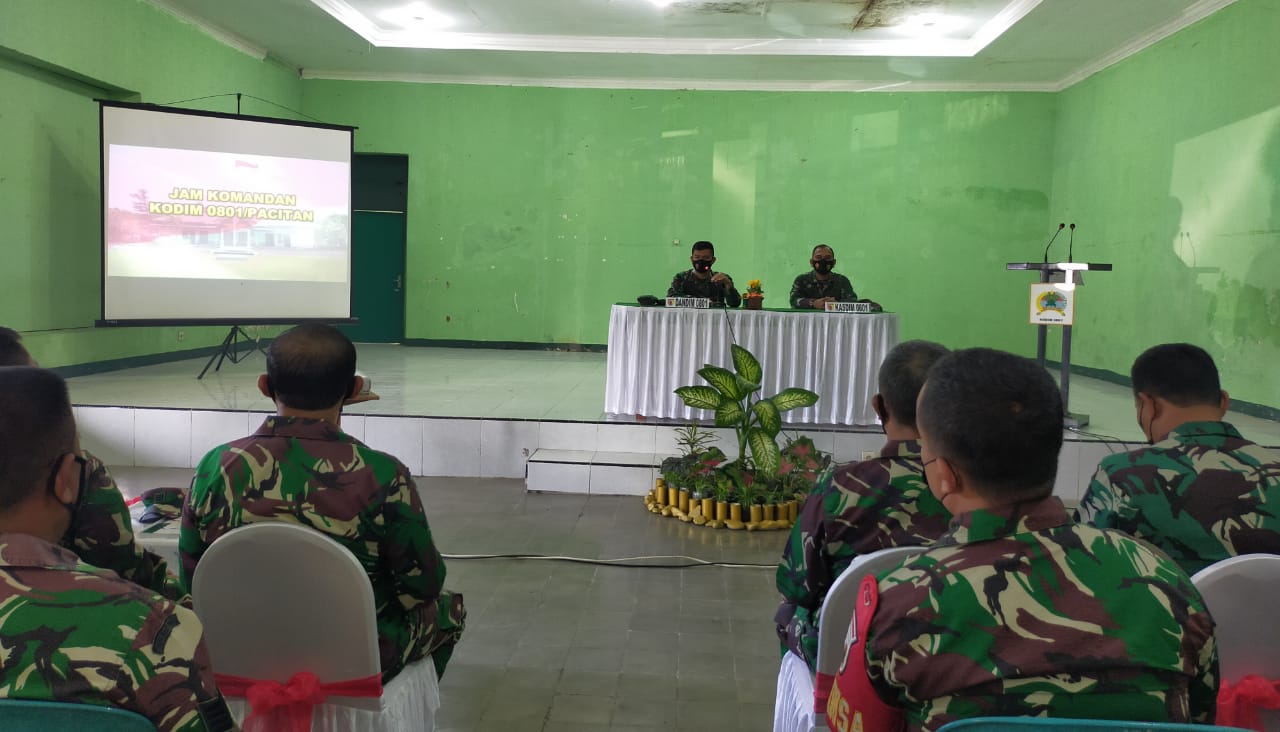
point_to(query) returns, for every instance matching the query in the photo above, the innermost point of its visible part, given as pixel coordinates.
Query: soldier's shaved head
(902, 375)
(997, 417)
(1179, 373)
(36, 427)
(12, 352)
(311, 367)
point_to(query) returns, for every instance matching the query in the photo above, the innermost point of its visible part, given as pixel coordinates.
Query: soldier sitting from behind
(1017, 610)
(862, 507)
(702, 282)
(71, 632)
(1201, 492)
(300, 467)
(101, 532)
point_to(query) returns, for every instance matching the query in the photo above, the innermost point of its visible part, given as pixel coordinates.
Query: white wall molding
(219, 34)
(355, 20)
(796, 85)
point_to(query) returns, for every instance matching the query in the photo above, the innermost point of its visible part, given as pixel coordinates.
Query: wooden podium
(1069, 270)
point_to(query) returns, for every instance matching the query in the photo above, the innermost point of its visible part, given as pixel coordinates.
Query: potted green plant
(732, 397)
(696, 458)
(723, 491)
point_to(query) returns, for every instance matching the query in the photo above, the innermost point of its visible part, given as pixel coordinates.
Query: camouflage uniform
(1022, 612)
(103, 536)
(856, 508)
(808, 288)
(687, 284)
(310, 472)
(1202, 494)
(70, 632)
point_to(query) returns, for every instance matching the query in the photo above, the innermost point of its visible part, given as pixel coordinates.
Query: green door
(377, 277)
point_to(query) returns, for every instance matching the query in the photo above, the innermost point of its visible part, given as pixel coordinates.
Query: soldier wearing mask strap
(71, 632)
(1201, 492)
(1017, 610)
(102, 532)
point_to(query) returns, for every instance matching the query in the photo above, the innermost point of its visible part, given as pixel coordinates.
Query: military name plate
(688, 302)
(848, 307)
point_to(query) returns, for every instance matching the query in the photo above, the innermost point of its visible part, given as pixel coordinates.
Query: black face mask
(823, 267)
(702, 265)
(74, 507)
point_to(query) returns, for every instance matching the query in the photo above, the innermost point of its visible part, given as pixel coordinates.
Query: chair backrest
(837, 607)
(278, 598)
(1052, 724)
(21, 715)
(1242, 594)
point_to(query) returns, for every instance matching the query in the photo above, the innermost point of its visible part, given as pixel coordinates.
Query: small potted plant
(747, 497)
(754, 296)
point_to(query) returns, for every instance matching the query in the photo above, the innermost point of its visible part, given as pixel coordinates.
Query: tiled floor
(496, 384)
(558, 646)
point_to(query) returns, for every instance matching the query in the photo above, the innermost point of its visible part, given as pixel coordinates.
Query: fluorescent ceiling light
(416, 15)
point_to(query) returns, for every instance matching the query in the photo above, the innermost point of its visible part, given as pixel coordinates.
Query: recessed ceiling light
(662, 3)
(416, 15)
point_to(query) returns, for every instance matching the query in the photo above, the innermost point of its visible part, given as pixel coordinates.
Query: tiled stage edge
(572, 457)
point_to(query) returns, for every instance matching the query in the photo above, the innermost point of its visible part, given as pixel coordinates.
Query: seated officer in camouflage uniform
(300, 467)
(813, 290)
(1018, 610)
(102, 533)
(862, 507)
(1201, 492)
(702, 282)
(70, 632)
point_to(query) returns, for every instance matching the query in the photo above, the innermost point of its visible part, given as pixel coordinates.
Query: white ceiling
(899, 45)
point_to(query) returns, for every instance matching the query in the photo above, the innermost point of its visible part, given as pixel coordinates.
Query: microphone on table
(1071, 243)
(1055, 236)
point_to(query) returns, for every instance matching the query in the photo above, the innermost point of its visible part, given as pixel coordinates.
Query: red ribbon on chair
(1239, 703)
(296, 699)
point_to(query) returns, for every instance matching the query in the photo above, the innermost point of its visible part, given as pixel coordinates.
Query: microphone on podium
(1055, 236)
(1071, 243)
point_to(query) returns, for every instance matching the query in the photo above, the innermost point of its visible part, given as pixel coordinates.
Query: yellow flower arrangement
(753, 289)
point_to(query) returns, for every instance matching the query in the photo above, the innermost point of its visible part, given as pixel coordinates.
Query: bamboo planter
(667, 501)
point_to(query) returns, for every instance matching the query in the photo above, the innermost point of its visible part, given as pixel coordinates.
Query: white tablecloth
(654, 350)
(793, 702)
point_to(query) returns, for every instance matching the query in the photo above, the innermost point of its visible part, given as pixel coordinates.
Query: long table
(654, 350)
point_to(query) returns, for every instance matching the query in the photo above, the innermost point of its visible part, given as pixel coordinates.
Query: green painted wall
(1170, 163)
(533, 209)
(56, 56)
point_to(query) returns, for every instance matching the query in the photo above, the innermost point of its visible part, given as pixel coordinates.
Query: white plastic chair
(278, 598)
(1242, 594)
(795, 708)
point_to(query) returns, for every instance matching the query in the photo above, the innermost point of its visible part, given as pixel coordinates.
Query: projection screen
(223, 219)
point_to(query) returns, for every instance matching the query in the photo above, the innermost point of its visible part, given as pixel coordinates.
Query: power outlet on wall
(182, 334)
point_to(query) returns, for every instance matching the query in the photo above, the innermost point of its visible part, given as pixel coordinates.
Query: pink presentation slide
(215, 215)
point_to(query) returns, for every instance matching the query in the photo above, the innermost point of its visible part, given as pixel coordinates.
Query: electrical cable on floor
(1106, 440)
(620, 561)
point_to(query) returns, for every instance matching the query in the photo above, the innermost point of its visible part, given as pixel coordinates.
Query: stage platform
(463, 412)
